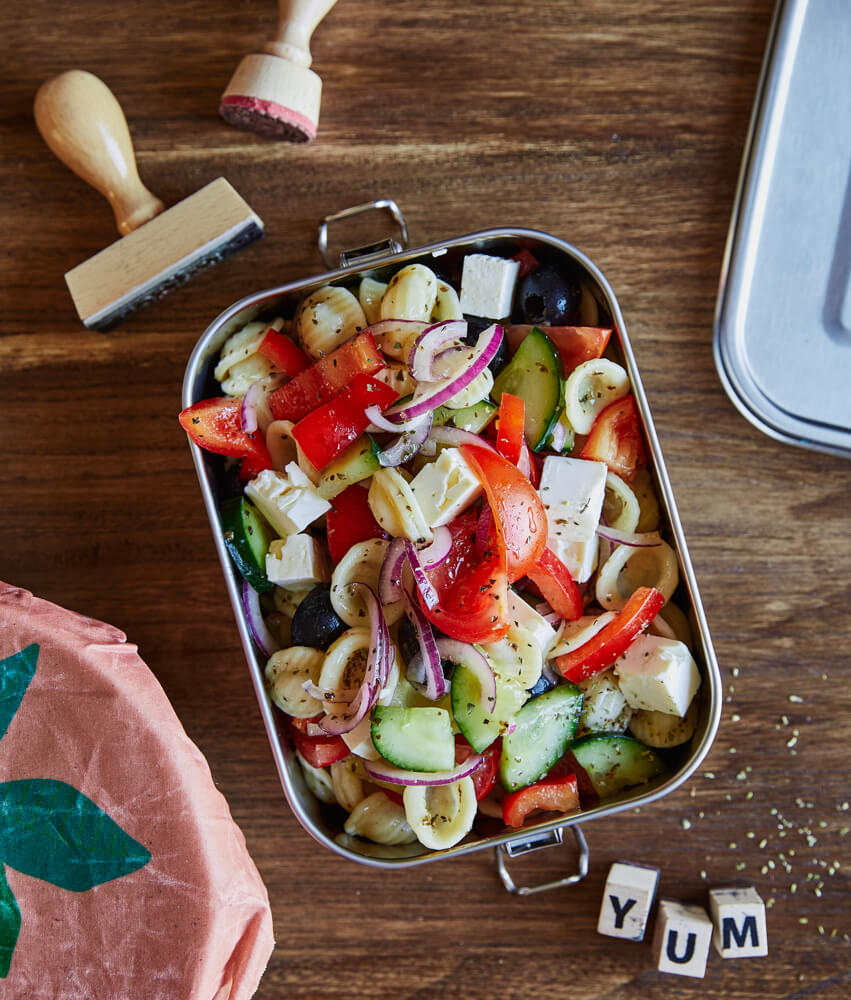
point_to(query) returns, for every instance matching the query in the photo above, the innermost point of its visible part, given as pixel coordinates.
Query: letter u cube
(682, 938)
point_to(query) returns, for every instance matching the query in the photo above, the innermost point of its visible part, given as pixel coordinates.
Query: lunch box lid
(783, 323)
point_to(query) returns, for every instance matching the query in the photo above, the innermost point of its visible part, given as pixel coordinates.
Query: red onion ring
(524, 463)
(455, 436)
(432, 682)
(424, 585)
(644, 540)
(429, 395)
(263, 638)
(390, 575)
(255, 411)
(397, 776)
(384, 326)
(381, 423)
(431, 343)
(462, 653)
(559, 436)
(325, 696)
(438, 551)
(406, 445)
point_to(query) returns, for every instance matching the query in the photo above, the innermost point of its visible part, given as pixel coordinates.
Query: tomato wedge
(518, 511)
(472, 588)
(614, 639)
(484, 777)
(575, 344)
(319, 751)
(550, 794)
(510, 422)
(616, 439)
(557, 586)
(350, 520)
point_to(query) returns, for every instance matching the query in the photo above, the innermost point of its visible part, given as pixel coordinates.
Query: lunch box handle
(372, 251)
(549, 838)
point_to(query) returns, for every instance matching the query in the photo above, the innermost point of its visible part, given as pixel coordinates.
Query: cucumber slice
(545, 726)
(469, 418)
(535, 375)
(247, 537)
(357, 462)
(614, 762)
(416, 739)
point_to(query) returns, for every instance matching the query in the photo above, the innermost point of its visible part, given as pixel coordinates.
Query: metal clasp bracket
(550, 838)
(372, 251)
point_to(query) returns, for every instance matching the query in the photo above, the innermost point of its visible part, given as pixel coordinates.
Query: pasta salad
(450, 549)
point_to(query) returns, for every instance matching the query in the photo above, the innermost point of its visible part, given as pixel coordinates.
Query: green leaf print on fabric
(16, 672)
(10, 924)
(49, 829)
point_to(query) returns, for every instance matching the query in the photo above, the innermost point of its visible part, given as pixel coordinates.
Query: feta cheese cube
(572, 491)
(658, 674)
(523, 615)
(487, 285)
(287, 501)
(296, 562)
(444, 488)
(604, 707)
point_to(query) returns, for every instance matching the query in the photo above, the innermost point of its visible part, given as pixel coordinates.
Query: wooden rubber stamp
(82, 122)
(275, 93)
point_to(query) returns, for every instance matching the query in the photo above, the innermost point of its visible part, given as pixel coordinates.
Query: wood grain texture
(618, 127)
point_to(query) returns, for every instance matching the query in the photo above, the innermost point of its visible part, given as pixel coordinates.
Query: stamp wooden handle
(297, 21)
(82, 122)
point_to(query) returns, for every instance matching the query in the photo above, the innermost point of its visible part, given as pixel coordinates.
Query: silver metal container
(600, 307)
(783, 321)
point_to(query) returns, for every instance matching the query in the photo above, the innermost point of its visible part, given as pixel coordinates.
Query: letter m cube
(739, 919)
(627, 899)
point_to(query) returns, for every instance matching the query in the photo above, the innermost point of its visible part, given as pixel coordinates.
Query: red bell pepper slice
(283, 353)
(349, 521)
(484, 777)
(550, 794)
(216, 425)
(332, 427)
(509, 427)
(616, 439)
(319, 751)
(557, 586)
(326, 377)
(613, 639)
(472, 588)
(518, 511)
(574, 344)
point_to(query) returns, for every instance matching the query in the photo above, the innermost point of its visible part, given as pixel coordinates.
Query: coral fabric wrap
(122, 873)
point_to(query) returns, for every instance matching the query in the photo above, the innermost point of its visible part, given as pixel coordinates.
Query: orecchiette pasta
(411, 294)
(286, 600)
(441, 815)
(518, 656)
(398, 376)
(284, 449)
(347, 781)
(239, 363)
(318, 780)
(361, 564)
(381, 820)
(642, 486)
(620, 506)
(590, 388)
(447, 305)
(327, 318)
(345, 663)
(286, 672)
(370, 293)
(478, 389)
(395, 507)
(629, 567)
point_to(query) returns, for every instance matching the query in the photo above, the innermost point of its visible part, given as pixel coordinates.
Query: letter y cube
(627, 899)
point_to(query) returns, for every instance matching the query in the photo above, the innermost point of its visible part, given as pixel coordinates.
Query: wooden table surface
(616, 126)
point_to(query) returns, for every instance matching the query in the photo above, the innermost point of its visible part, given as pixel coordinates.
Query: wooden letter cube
(627, 899)
(739, 918)
(682, 938)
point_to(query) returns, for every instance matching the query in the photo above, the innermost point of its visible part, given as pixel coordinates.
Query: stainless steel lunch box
(381, 260)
